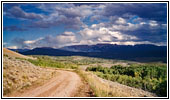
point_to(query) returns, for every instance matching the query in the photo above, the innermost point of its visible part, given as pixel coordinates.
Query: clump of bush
(148, 77)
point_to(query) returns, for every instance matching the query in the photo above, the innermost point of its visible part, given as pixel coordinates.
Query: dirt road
(65, 84)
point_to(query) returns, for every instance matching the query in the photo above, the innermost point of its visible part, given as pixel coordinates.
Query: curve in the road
(63, 85)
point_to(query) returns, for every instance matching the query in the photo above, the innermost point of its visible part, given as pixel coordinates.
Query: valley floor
(59, 82)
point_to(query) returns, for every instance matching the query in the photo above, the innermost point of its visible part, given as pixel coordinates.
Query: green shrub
(148, 77)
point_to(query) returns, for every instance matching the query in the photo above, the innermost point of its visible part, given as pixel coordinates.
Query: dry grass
(15, 54)
(19, 74)
(101, 89)
(105, 88)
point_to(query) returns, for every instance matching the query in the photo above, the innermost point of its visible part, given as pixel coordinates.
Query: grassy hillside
(15, 54)
(19, 74)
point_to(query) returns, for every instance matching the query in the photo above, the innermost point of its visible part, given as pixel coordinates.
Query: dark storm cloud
(13, 28)
(150, 35)
(151, 11)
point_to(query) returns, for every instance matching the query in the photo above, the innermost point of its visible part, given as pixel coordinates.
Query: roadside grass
(99, 88)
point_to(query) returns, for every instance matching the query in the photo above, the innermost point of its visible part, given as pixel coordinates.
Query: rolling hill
(15, 54)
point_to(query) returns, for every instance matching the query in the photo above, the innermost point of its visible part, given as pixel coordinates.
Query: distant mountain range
(112, 48)
(141, 52)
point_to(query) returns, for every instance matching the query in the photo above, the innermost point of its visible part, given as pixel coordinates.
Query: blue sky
(62, 24)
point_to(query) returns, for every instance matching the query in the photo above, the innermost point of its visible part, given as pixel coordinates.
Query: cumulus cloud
(69, 15)
(104, 34)
(119, 23)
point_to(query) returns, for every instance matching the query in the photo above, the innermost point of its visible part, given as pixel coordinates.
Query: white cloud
(70, 11)
(12, 47)
(68, 33)
(66, 37)
(153, 23)
(87, 42)
(85, 10)
(32, 41)
(61, 39)
(121, 36)
(97, 26)
(88, 33)
(142, 23)
(127, 27)
(105, 38)
(99, 33)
